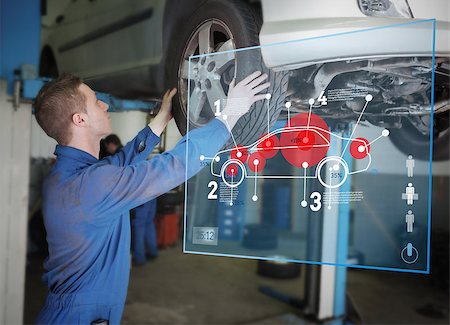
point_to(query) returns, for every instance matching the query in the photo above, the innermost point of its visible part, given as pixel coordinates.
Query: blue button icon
(409, 254)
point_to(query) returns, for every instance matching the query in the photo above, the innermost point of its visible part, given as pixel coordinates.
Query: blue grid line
(370, 267)
(427, 271)
(187, 150)
(430, 177)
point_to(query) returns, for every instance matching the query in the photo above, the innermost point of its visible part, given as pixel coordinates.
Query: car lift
(324, 296)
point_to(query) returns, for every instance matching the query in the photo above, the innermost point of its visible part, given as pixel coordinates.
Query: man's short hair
(56, 103)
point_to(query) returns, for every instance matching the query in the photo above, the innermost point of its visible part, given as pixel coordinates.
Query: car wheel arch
(177, 10)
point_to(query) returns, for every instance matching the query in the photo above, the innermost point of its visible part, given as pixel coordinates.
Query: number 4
(322, 99)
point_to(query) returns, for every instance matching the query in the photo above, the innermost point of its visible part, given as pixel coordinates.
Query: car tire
(411, 142)
(244, 24)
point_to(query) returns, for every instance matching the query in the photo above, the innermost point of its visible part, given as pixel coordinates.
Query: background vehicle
(137, 48)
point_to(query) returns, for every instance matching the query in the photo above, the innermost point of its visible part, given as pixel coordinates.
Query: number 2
(212, 194)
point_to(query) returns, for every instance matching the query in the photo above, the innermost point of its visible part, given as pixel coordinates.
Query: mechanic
(144, 233)
(86, 201)
(112, 144)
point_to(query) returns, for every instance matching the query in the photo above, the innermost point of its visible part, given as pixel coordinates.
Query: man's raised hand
(242, 96)
(160, 121)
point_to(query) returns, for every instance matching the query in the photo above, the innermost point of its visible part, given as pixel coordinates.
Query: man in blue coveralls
(86, 201)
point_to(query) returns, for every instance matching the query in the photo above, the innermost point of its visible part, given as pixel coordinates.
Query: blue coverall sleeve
(109, 189)
(136, 150)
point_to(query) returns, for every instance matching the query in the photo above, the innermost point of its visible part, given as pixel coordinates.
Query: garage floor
(190, 289)
(195, 289)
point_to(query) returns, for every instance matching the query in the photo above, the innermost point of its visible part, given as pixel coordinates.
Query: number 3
(317, 201)
(212, 194)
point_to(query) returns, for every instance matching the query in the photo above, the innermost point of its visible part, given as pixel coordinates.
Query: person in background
(144, 233)
(110, 145)
(102, 153)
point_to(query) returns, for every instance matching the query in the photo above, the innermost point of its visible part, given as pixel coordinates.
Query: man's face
(98, 119)
(111, 148)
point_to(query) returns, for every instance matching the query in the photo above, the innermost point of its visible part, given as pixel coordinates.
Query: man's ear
(79, 119)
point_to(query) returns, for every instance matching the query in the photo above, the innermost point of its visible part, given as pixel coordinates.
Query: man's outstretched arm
(109, 189)
(143, 144)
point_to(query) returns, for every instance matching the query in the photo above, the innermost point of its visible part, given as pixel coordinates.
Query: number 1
(217, 106)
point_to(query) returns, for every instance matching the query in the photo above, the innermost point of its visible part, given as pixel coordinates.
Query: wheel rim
(210, 75)
(223, 171)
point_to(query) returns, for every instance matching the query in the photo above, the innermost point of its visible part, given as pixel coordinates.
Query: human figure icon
(409, 219)
(410, 165)
(410, 194)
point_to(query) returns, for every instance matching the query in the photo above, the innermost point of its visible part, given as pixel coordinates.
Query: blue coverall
(86, 204)
(144, 232)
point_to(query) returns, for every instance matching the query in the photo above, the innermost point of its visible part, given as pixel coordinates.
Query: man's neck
(91, 146)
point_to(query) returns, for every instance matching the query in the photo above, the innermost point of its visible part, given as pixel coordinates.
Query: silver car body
(287, 20)
(98, 39)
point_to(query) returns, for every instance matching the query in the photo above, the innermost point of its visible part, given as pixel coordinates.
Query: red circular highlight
(232, 170)
(355, 146)
(306, 139)
(239, 153)
(268, 145)
(261, 162)
(317, 133)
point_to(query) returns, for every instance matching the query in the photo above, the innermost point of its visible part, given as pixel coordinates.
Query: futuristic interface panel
(320, 171)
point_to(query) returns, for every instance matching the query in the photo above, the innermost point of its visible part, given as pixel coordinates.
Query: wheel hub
(205, 71)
